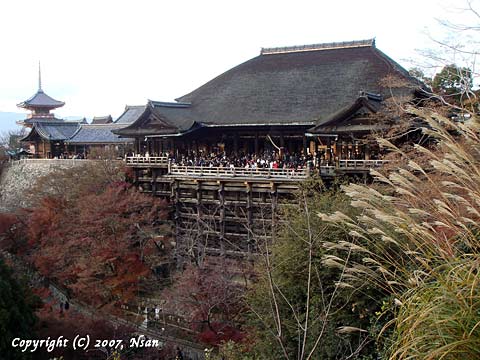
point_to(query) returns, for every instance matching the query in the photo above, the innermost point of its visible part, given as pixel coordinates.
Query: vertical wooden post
(235, 143)
(154, 181)
(135, 177)
(221, 197)
(199, 211)
(178, 241)
(249, 209)
(274, 196)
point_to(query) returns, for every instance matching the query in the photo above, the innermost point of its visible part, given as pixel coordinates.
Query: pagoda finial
(39, 76)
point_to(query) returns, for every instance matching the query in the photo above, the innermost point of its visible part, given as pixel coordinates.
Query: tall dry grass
(419, 237)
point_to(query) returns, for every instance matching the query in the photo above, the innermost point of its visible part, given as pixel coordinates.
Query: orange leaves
(92, 243)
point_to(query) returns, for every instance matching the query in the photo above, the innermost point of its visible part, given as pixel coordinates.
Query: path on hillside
(164, 332)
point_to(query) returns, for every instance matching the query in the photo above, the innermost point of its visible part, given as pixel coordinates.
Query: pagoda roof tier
(39, 119)
(41, 100)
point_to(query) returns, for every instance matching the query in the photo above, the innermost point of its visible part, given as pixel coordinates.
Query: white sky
(100, 55)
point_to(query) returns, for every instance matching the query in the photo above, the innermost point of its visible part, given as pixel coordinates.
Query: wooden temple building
(308, 109)
(51, 137)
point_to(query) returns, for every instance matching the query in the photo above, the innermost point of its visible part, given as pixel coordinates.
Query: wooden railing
(237, 172)
(193, 171)
(147, 160)
(361, 164)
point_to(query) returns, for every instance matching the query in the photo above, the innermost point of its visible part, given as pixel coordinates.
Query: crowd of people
(265, 160)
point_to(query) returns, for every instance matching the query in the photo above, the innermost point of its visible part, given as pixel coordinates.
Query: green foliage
(453, 81)
(418, 74)
(299, 306)
(230, 350)
(17, 317)
(441, 318)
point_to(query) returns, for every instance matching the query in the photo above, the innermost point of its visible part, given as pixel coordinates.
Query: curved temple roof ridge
(321, 46)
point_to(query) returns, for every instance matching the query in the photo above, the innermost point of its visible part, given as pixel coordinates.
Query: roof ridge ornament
(322, 46)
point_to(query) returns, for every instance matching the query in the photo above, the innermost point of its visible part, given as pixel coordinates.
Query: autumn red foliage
(11, 234)
(210, 299)
(97, 245)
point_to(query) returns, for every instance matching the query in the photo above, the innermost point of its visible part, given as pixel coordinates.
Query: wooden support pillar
(256, 144)
(135, 177)
(328, 155)
(179, 245)
(282, 146)
(154, 181)
(221, 198)
(249, 209)
(199, 209)
(235, 143)
(274, 196)
(305, 145)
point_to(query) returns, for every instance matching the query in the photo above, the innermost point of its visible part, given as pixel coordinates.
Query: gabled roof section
(131, 114)
(97, 134)
(41, 100)
(288, 86)
(52, 131)
(300, 84)
(161, 117)
(354, 117)
(102, 120)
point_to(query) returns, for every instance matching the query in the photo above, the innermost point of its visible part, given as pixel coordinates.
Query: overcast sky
(100, 55)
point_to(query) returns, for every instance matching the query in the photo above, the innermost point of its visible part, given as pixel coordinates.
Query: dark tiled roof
(53, 130)
(97, 134)
(130, 114)
(102, 120)
(181, 117)
(293, 86)
(41, 100)
(349, 117)
(161, 118)
(283, 86)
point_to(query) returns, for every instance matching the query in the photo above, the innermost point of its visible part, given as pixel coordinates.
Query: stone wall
(18, 177)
